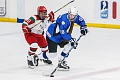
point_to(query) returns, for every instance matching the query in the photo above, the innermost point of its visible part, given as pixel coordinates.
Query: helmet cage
(42, 10)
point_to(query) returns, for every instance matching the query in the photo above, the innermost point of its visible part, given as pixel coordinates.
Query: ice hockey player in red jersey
(34, 30)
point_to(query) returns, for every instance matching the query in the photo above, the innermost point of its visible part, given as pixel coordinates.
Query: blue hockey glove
(73, 43)
(84, 30)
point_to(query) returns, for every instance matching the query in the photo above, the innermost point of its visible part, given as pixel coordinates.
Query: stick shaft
(64, 6)
(55, 12)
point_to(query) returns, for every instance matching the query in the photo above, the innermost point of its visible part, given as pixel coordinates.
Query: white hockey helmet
(73, 10)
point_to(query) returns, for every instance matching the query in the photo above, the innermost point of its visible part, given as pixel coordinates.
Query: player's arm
(68, 37)
(83, 27)
(64, 32)
(26, 23)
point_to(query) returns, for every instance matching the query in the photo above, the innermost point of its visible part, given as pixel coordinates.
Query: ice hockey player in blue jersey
(59, 33)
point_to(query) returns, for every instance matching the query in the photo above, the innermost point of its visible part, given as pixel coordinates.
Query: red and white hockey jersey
(38, 29)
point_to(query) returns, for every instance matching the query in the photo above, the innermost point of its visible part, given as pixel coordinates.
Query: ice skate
(46, 61)
(62, 66)
(32, 61)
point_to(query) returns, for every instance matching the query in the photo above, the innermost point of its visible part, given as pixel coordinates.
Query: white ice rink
(97, 56)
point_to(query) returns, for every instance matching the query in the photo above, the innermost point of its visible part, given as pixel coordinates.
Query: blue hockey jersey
(57, 31)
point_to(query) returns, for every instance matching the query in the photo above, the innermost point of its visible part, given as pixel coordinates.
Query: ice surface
(97, 56)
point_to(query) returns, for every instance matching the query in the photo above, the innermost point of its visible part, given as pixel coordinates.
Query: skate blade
(48, 64)
(31, 67)
(61, 69)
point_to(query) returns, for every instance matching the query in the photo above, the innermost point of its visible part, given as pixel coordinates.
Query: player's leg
(64, 54)
(52, 48)
(32, 58)
(44, 55)
(44, 48)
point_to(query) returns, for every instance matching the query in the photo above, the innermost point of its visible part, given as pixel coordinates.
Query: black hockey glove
(84, 30)
(73, 43)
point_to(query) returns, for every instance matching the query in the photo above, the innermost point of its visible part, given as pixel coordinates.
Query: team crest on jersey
(80, 18)
(63, 23)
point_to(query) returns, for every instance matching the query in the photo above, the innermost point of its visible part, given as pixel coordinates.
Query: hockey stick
(64, 6)
(54, 12)
(51, 75)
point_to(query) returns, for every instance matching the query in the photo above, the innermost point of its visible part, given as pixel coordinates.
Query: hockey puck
(51, 75)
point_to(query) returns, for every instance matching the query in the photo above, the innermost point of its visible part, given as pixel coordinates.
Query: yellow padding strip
(8, 20)
(97, 25)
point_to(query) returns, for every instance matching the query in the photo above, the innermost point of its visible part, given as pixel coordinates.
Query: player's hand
(26, 29)
(51, 16)
(84, 30)
(73, 43)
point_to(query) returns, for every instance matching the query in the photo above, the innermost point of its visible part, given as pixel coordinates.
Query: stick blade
(47, 75)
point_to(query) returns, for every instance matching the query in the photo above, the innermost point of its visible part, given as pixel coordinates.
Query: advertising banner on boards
(107, 9)
(2, 7)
